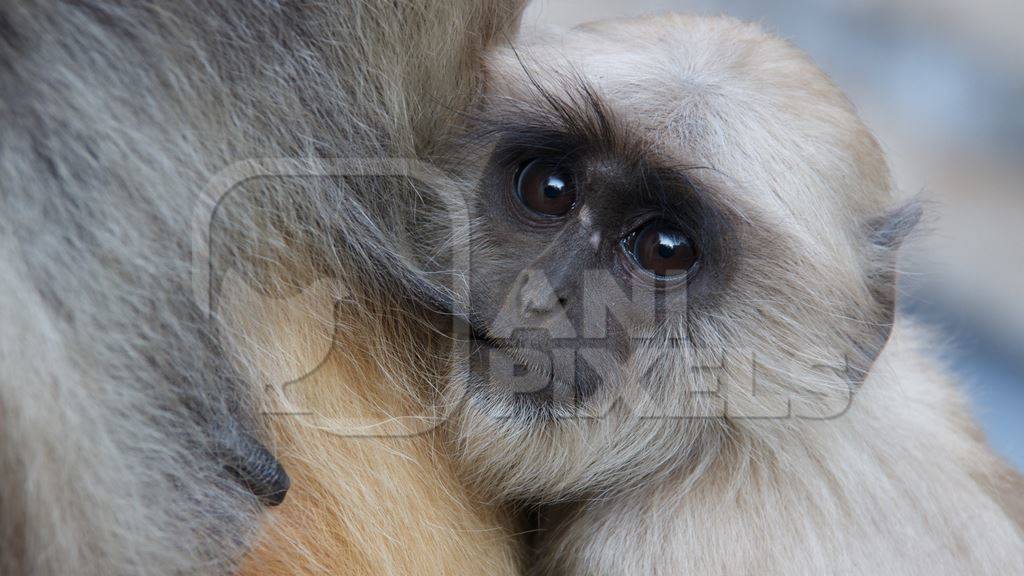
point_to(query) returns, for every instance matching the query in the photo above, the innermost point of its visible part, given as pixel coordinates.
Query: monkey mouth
(513, 349)
(523, 367)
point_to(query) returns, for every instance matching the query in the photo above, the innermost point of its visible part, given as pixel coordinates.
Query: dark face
(581, 252)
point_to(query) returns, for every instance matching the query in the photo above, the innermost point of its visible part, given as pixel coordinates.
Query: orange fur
(370, 505)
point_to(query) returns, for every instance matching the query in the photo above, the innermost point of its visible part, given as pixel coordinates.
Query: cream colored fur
(890, 476)
(898, 485)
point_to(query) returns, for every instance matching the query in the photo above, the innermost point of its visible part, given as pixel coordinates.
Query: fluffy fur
(115, 391)
(852, 453)
(115, 396)
(359, 505)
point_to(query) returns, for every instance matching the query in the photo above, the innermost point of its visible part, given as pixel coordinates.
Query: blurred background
(941, 83)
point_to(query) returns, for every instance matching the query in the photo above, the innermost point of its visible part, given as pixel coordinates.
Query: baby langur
(682, 344)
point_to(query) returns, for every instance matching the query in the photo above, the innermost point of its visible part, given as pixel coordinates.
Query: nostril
(562, 301)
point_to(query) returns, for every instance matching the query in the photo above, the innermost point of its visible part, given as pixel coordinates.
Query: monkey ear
(885, 234)
(890, 230)
(249, 461)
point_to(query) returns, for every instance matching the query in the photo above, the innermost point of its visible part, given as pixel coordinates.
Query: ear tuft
(886, 234)
(890, 230)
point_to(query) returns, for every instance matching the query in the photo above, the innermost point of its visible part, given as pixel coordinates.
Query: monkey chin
(545, 431)
(534, 433)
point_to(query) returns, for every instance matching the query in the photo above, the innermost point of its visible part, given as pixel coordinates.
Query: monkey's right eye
(661, 249)
(545, 188)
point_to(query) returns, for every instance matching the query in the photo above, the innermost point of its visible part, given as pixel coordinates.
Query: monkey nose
(536, 296)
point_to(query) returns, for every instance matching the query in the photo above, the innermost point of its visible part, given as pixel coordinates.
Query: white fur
(893, 480)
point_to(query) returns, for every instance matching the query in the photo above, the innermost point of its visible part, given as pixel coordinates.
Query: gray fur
(122, 420)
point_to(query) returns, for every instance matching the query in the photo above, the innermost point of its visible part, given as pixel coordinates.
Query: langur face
(671, 240)
(587, 251)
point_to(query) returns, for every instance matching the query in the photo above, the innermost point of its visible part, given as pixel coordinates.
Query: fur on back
(115, 117)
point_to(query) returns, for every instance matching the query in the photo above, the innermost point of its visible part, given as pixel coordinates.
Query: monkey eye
(661, 249)
(545, 189)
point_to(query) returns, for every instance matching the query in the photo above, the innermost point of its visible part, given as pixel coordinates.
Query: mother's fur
(116, 403)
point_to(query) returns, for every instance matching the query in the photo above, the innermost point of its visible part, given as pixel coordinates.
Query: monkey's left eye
(545, 188)
(661, 249)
